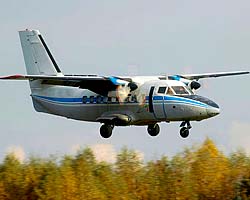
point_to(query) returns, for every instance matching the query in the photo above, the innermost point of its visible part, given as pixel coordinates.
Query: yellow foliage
(210, 172)
(195, 174)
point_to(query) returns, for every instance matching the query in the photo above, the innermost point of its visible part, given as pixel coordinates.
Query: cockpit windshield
(190, 90)
(180, 90)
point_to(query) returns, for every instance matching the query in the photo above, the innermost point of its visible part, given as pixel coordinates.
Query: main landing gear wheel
(184, 131)
(106, 130)
(153, 129)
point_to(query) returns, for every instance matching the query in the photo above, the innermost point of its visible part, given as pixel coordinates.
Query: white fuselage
(144, 105)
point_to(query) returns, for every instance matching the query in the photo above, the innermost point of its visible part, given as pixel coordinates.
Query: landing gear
(184, 131)
(153, 129)
(106, 130)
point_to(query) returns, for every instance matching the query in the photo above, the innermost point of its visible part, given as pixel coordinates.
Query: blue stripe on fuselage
(157, 98)
(176, 99)
(168, 99)
(184, 100)
(60, 100)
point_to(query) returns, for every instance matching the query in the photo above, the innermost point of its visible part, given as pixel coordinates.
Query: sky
(131, 37)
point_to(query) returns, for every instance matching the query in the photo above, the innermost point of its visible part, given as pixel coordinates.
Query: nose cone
(213, 111)
(211, 108)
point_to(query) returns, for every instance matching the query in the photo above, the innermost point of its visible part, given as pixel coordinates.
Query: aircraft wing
(211, 75)
(98, 84)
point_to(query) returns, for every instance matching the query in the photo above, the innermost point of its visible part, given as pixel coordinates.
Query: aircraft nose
(213, 111)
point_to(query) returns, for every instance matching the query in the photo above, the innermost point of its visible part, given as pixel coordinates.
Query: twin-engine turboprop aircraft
(112, 100)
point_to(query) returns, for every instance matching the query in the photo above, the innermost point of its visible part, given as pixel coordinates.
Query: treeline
(201, 172)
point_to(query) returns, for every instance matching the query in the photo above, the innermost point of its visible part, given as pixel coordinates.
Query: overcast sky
(129, 37)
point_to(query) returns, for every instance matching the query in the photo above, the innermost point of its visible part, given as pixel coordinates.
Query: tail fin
(37, 57)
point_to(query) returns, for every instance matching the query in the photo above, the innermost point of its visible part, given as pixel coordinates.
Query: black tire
(184, 132)
(153, 129)
(106, 131)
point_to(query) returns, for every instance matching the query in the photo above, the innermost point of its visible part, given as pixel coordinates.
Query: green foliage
(197, 173)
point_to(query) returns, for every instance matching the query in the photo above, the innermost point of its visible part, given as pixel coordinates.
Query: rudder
(38, 59)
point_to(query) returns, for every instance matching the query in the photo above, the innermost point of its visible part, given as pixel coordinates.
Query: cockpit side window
(180, 90)
(162, 90)
(170, 91)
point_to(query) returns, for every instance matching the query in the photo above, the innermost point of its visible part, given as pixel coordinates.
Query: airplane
(113, 100)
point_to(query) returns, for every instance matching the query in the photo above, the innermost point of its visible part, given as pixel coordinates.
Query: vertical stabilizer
(37, 56)
(38, 61)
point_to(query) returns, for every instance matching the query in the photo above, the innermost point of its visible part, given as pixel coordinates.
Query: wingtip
(243, 72)
(16, 76)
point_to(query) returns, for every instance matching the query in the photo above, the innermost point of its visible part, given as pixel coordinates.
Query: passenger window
(162, 90)
(91, 99)
(99, 99)
(113, 99)
(170, 91)
(105, 99)
(84, 99)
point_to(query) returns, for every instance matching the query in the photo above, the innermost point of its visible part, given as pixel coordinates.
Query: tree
(84, 166)
(155, 184)
(210, 173)
(50, 182)
(198, 173)
(68, 180)
(11, 173)
(128, 168)
(3, 194)
(108, 181)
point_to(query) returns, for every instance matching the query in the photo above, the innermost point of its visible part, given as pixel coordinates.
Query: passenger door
(156, 101)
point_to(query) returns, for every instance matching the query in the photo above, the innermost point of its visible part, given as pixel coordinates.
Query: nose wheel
(184, 131)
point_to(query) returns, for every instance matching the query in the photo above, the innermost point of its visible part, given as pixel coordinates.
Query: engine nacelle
(194, 85)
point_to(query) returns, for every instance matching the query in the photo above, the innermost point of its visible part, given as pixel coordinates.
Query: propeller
(123, 89)
(122, 93)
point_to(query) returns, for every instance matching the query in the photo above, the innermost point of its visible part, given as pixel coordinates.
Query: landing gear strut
(153, 129)
(184, 131)
(106, 130)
